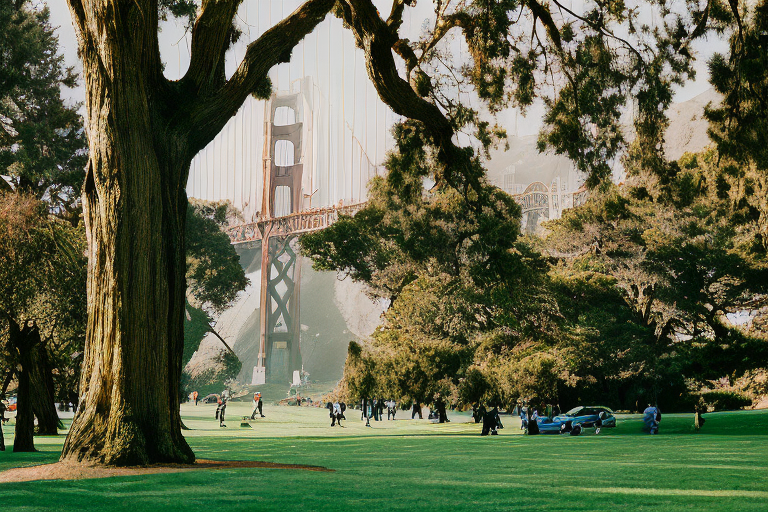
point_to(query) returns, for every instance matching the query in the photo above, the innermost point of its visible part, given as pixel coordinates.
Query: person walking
(220, 410)
(336, 414)
(391, 409)
(194, 396)
(258, 404)
(366, 414)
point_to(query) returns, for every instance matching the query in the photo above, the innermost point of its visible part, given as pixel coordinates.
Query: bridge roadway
(316, 219)
(292, 224)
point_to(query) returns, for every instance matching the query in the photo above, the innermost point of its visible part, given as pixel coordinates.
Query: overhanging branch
(209, 43)
(272, 48)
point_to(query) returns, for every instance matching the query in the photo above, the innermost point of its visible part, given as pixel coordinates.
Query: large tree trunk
(23, 340)
(143, 132)
(135, 211)
(42, 394)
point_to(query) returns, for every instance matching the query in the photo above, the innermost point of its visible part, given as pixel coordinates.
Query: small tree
(42, 141)
(36, 257)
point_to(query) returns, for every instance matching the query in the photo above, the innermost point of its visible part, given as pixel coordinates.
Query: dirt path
(76, 471)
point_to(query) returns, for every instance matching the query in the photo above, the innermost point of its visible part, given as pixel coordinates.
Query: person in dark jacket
(442, 417)
(220, 410)
(491, 422)
(532, 425)
(478, 412)
(2, 420)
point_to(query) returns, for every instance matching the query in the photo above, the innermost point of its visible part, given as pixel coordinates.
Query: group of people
(491, 419)
(221, 406)
(336, 410)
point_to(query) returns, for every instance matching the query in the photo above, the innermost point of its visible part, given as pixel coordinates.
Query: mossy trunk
(135, 212)
(143, 132)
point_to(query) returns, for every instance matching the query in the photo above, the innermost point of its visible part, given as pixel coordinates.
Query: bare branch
(541, 12)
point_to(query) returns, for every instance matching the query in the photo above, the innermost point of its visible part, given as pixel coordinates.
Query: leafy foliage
(214, 274)
(684, 257)
(42, 280)
(42, 141)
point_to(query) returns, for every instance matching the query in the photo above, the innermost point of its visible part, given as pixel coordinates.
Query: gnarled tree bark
(144, 131)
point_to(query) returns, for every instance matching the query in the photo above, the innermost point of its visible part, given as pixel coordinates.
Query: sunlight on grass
(408, 465)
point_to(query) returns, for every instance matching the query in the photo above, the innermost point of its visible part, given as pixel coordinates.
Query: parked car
(577, 419)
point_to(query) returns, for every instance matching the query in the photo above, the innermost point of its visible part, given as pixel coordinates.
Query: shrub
(725, 400)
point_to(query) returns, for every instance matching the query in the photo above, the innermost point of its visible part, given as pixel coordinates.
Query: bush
(725, 400)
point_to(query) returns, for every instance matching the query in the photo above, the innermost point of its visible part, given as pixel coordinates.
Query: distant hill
(522, 164)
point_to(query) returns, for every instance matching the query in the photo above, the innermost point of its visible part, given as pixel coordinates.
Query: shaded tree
(36, 299)
(738, 125)
(683, 256)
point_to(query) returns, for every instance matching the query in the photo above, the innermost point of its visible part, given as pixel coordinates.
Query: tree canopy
(145, 129)
(42, 141)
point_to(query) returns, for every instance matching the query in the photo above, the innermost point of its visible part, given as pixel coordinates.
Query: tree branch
(377, 40)
(542, 13)
(273, 47)
(209, 43)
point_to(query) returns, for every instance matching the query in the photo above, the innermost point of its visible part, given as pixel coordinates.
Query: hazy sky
(255, 16)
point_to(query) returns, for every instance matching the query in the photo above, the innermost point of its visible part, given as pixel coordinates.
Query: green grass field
(416, 465)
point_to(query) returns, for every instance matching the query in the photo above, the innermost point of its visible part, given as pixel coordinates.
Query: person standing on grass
(442, 417)
(391, 409)
(366, 415)
(257, 405)
(336, 414)
(2, 420)
(194, 396)
(698, 421)
(220, 410)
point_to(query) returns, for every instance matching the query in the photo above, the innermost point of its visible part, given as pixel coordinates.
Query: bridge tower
(280, 325)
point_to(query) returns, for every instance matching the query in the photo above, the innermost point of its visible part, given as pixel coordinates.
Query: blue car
(577, 419)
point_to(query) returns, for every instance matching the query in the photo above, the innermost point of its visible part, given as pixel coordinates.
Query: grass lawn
(415, 465)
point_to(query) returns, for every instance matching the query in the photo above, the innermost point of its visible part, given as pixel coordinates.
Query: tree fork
(144, 131)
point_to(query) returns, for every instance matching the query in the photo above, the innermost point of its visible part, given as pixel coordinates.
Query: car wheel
(576, 430)
(597, 430)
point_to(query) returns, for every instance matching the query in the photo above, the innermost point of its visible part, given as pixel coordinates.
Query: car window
(576, 411)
